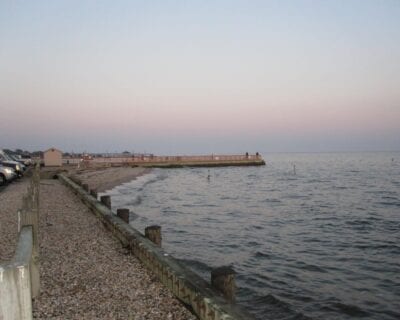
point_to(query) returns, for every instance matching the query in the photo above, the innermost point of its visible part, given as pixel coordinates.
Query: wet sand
(102, 179)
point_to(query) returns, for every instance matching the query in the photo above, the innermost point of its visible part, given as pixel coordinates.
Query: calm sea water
(321, 242)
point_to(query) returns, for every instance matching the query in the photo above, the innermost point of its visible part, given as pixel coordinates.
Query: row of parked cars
(12, 166)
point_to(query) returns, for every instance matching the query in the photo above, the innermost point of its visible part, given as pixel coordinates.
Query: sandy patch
(102, 179)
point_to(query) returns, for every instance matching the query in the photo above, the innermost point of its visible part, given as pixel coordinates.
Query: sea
(310, 235)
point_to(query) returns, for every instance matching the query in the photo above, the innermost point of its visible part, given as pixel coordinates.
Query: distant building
(52, 158)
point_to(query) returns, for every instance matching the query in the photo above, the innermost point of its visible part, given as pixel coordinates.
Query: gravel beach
(10, 202)
(85, 272)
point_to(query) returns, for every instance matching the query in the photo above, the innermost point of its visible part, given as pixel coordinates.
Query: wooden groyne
(152, 161)
(207, 301)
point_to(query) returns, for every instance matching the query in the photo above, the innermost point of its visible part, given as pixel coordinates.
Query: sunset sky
(190, 77)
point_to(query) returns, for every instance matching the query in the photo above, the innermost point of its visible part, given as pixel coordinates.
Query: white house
(52, 158)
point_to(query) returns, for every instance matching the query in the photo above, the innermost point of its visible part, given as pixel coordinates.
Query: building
(52, 158)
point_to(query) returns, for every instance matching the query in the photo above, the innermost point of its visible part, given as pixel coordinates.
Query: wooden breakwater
(19, 278)
(172, 161)
(207, 301)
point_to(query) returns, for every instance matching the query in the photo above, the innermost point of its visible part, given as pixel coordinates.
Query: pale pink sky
(229, 77)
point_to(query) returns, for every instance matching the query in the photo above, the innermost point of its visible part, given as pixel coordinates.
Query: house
(52, 158)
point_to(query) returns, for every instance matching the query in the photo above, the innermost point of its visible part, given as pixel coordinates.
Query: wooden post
(123, 214)
(15, 280)
(29, 216)
(85, 187)
(15, 292)
(93, 193)
(106, 200)
(153, 233)
(223, 279)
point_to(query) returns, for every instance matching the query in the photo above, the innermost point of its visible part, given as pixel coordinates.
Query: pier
(152, 161)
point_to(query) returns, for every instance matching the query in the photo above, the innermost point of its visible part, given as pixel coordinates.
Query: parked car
(14, 157)
(27, 159)
(6, 175)
(6, 161)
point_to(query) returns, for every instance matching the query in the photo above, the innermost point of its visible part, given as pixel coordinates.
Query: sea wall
(197, 294)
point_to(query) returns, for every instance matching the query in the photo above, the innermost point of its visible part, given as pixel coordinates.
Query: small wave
(195, 264)
(271, 200)
(271, 299)
(339, 187)
(326, 218)
(253, 243)
(286, 179)
(390, 198)
(151, 178)
(374, 218)
(276, 308)
(231, 245)
(229, 198)
(296, 196)
(180, 231)
(234, 213)
(327, 205)
(297, 297)
(169, 211)
(317, 181)
(348, 309)
(359, 222)
(310, 267)
(199, 205)
(135, 201)
(389, 247)
(257, 227)
(312, 240)
(253, 281)
(360, 225)
(262, 255)
(393, 314)
(124, 190)
(288, 276)
(379, 192)
(385, 203)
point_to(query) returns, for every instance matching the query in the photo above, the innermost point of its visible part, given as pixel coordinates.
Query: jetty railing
(19, 278)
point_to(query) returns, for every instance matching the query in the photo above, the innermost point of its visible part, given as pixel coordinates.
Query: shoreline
(195, 293)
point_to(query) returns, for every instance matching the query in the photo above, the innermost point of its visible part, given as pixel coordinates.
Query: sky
(200, 77)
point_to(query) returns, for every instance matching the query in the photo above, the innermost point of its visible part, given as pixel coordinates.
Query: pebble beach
(85, 272)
